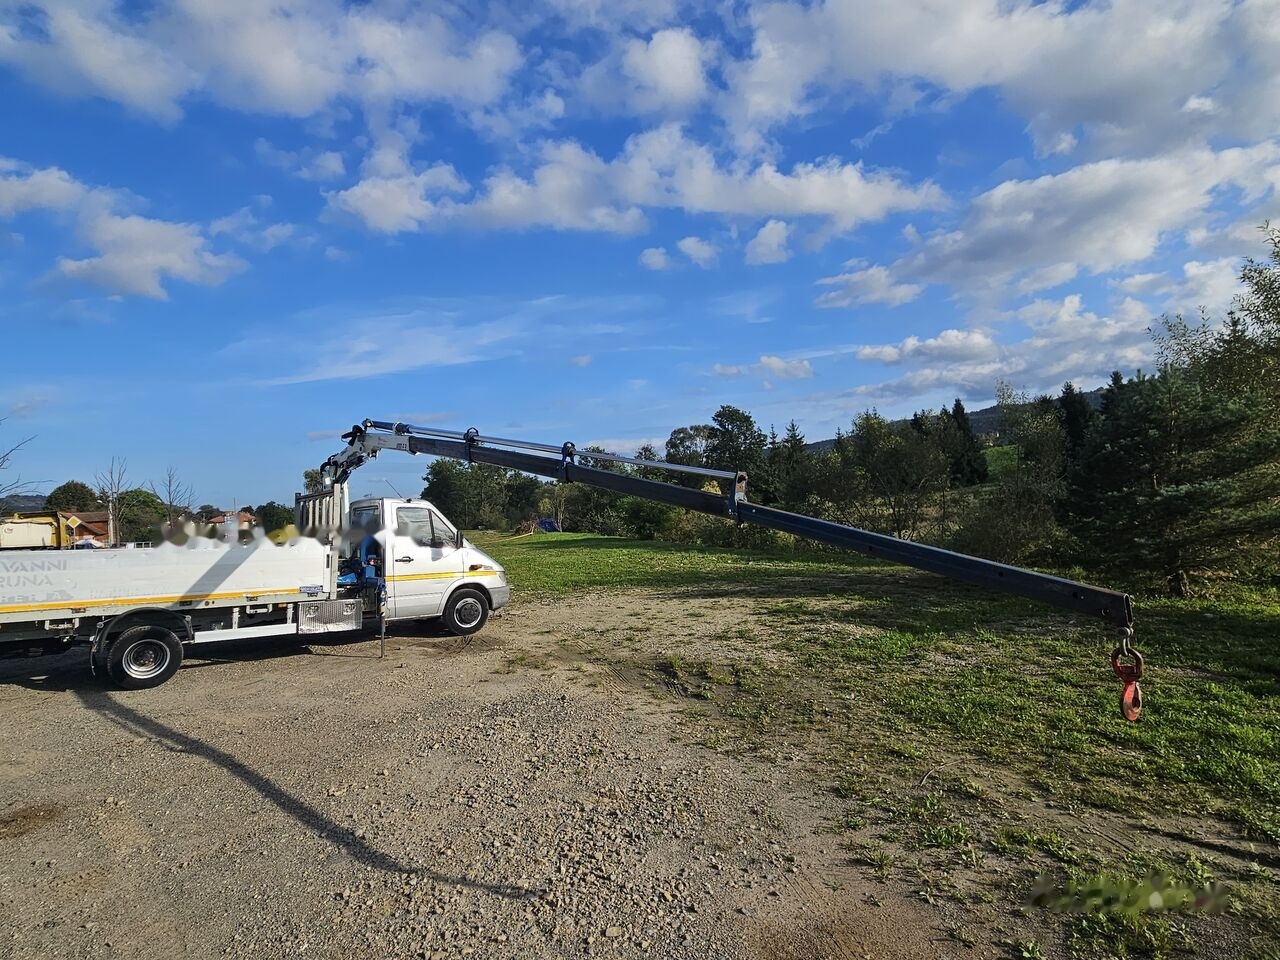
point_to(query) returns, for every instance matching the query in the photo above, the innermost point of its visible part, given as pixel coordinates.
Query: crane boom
(366, 440)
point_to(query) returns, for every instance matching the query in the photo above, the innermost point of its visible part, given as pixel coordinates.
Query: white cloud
(136, 254)
(294, 57)
(769, 245)
(655, 258)
(667, 72)
(663, 167)
(1098, 217)
(572, 188)
(698, 250)
(245, 228)
(614, 14)
(866, 285)
(582, 360)
(1207, 284)
(400, 203)
(1047, 343)
(569, 190)
(949, 345)
(768, 365)
(1062, 67)
(89, 51)
(786, 369)
(390, 344)
(23, 189)
(509, 121)
(308, 164)
(133, 254)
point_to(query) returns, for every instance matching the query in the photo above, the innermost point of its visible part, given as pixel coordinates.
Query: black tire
(466, 612)
(143, 657)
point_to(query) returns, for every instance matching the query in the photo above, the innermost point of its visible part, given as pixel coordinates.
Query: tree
(478, 495)
(445, 488)
(175, 495)
(73, 497)
(968, 465)
(523, 492)
(1016, 518)
(792, 469)
(1078, 417)
(735, 442)
(884, 476)
(1242, 353)
(273, 516)
(647, 451)
(687, 446)
(139, 514)
(312, 481)
(16, 485)
(1182, 477)
(1179, 482)
(594, 509)
(110, 485)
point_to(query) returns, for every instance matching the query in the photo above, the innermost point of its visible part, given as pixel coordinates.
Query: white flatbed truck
(137, 609)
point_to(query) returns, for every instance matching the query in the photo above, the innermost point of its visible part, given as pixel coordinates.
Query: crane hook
(1129, 674)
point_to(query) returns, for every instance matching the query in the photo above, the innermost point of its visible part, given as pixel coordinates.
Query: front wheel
(466, 612)
(144, 656)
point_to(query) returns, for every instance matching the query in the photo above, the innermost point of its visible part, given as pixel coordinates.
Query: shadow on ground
(137, 723)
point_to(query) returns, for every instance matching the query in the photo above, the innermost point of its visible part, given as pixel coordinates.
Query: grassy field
(965, 731)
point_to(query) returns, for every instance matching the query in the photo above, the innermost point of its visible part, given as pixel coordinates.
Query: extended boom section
(561, 463)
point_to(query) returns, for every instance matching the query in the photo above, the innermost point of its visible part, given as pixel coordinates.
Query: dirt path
(451, 800)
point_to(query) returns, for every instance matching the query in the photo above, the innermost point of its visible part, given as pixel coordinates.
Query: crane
(367, 439)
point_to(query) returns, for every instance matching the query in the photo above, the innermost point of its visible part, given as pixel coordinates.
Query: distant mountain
(22, 503)
(986, 420)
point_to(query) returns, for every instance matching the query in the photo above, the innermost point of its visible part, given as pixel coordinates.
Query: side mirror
(457, 540)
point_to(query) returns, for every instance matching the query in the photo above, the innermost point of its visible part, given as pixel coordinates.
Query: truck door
(422, 563)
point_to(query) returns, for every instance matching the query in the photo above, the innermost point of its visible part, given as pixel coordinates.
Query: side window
(444, 529)
(415, 522)
(368, 519)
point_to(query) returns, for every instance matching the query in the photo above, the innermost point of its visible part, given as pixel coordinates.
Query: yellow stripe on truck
(441, 576)
(122, 601)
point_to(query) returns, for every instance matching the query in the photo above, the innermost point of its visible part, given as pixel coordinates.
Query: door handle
(404, 559)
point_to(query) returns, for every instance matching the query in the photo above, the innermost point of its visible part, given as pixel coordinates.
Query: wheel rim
(145, 659)
(468, 612)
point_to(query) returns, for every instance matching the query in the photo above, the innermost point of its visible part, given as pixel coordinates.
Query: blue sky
(229, 229)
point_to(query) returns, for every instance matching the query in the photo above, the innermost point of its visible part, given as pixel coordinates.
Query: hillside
(22, 503)
(986, 420)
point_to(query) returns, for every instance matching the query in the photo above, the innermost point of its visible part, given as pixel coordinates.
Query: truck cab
(427, 568)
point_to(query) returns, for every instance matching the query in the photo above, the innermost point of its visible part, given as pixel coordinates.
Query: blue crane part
(365, 440)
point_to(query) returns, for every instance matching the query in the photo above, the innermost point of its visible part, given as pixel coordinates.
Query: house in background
(90, 529)
(243, 519)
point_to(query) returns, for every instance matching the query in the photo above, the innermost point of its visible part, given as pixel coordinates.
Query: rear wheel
(466, 612)
(144, 656)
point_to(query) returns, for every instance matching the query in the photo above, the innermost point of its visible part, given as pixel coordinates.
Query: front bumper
(499, 594)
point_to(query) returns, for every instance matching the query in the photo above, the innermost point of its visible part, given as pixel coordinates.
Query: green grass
(564, 563)
(1001, 460)
(902, 672)
(1027, 685)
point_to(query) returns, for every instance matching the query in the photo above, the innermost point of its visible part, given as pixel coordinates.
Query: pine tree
(969, 466)
(1078, 417)
(795, 470)
(1171, 484)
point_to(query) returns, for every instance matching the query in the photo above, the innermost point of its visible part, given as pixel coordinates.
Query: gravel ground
(440, 802)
